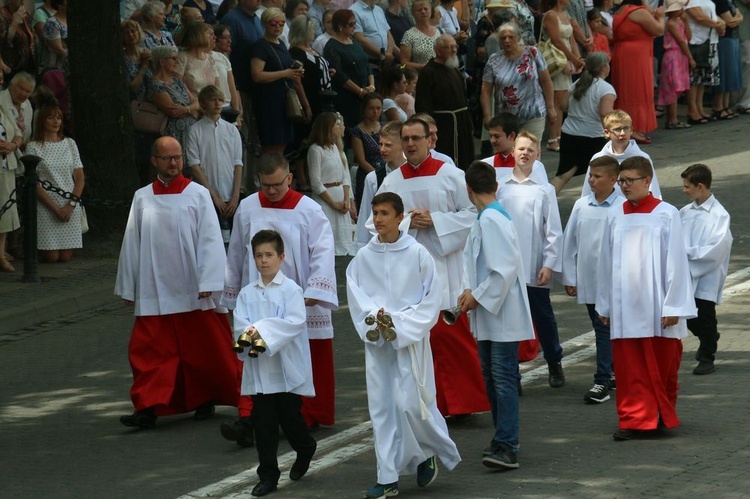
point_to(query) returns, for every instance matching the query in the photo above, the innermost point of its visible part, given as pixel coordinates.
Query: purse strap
(281, 65)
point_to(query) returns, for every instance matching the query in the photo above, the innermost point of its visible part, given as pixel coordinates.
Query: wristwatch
(72, 203)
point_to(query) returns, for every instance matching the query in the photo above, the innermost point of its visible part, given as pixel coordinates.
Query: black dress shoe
(622, 435)
(301, 464)
(556, 375)
(241, 431)
(263, 488)
(205, 411)
(144, 419)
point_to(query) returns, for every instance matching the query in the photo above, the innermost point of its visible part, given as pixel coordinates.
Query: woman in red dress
(635, 27)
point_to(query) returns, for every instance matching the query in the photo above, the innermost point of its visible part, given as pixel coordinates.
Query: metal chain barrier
(10, 202)
(87, 202)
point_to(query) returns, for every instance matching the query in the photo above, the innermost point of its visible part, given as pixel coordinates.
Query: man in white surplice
(395, 275)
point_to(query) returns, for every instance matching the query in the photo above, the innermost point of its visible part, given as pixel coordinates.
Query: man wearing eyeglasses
(171, 263)
(310, 262)
(440, 218)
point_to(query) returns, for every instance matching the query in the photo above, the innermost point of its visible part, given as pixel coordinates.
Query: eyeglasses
(628, 181)
(280, 185)
(276, 23)
(413, 138)
(619, 129)
(169, 159)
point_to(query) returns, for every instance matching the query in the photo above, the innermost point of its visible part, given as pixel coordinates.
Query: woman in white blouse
(329, 177)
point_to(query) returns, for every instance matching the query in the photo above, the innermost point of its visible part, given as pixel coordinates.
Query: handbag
(84, 221)
(292, 105)
(555, 58)
(701, 52)
(147, 118)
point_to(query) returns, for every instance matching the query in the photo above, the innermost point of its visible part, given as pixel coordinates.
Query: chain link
(10, 202)
(88, 202)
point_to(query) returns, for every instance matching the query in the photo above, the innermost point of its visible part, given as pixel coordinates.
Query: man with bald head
(171, 263)
(441, 93)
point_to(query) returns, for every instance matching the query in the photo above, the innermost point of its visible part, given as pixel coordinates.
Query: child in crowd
(644, 294)
(705, 225)
(503, 130)
(272, 309)
(602, 33)
(581, 250)
(533, 209)
(674, 77)
(406, 100)
(618, 128)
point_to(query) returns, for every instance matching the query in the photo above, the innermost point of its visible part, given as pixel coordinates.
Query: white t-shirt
(224, 68)
(391, 104)
(583, 115)
(449, 21)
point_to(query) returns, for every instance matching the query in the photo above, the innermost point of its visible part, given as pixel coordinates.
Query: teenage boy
(433, 138)
(503, 130)
(644, 295)
(408, 427)
(581, 249)
(214, 151)
(495, 292)
(533, 209)
(708, 240)
(272, 309)
(618, 128)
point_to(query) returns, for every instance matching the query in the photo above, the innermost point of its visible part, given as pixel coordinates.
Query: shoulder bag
(292, 105)
(555, 58)
(147, 118)
(702, 53)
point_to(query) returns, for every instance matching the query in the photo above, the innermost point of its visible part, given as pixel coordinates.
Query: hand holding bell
(451, 315)
(383, 327)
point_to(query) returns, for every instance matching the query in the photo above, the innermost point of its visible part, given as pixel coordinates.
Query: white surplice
(643, 274)
(171, 251)
(631, 150)
(538, 172)
(708, 241)
(309, 249)
(400, 278)
(493, 271)
(277, 312)
(583, 243)
(533, 209)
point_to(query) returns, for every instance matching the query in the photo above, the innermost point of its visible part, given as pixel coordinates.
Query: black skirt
(576, 152)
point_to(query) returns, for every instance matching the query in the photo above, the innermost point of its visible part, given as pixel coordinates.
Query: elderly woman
(634, 28)
(418, 43)
(137, 58)
(591, 99)
(522, 86)
(168, 93)
(152, 21)
(17, 45)
(11, 139)
(273, 73)
(353, 79)
(557, 27)
(195, 65)
(58, 219)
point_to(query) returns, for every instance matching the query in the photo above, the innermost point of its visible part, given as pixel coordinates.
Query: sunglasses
(275, 23)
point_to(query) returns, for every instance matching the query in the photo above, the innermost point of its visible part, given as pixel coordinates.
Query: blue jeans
(499, 362)
(545, 323)
(603, 348)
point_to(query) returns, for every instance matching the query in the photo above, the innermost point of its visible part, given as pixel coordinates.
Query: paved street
(65, 380)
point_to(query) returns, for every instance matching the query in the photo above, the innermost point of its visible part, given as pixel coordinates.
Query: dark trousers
(603, 348)
(545, 323)
(269, 412)
(705, 328)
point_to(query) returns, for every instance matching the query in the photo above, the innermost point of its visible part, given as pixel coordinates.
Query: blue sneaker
(427, 472)
(382, 491)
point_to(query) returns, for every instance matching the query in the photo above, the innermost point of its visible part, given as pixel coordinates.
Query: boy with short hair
(433, 138)
(708, 239)
(581, 249)
(503, 129)
(272, 309)
(495, 293)
(214, 154)
(532, 207)
(618, 128)
(644, 295)
(408, 427)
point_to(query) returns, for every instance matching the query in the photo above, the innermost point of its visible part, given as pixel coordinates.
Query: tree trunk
(101, 110)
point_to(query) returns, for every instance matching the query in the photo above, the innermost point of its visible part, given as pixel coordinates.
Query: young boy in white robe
(705, 225)
(503, 129)
(495, 293)
(395, 275)
(581, 249)
(618, 128)
(645, 295)
(272, 309)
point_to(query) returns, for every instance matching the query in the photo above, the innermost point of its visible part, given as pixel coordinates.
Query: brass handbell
(373, 334)
(383, 327)
(238, 348)
(245, 340)
(387, 330)
(451, 315)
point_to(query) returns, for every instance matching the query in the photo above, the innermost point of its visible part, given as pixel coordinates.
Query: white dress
(59, 159)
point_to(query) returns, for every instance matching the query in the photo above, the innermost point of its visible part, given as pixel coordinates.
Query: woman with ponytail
(589, 101)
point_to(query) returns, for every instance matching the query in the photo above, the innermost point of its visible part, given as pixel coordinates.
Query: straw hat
(499, 4)
(673, 5)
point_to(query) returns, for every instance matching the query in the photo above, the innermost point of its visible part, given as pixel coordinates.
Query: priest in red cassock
(440, 218)
(310, 262)
(171, 267)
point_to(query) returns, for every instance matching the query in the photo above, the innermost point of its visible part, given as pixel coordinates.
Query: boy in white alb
(395, 275)
(645, 295)
(272, 309)
(503, 130)
(581, 249)
(533, 209)
(618, 128)
(705, 225)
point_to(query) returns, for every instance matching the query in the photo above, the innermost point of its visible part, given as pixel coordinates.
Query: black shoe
(205, 411)
(503, 459)
(704, 367)
(622, 435)
(301, 465)
(556, 375)
(263, 488)
(491, 449)
(241, 431)
(144, 419)
(597, 394)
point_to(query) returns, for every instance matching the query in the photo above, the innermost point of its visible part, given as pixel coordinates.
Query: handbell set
(383, 327)
(451, 315)
(245, 340)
